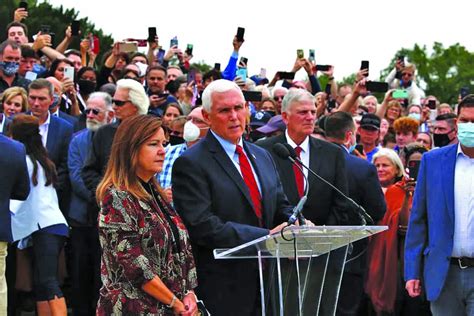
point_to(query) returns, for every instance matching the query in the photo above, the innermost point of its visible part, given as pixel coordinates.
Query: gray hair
(104, 97)
(391, 155)
(218, 86)
(136, 94)
(278, 89)
(39, 84)
(295, 95)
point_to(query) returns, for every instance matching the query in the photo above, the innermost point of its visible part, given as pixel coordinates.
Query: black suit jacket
(211, 196)
(324, 205)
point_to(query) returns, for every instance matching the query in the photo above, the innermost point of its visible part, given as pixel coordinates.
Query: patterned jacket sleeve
(120, 220)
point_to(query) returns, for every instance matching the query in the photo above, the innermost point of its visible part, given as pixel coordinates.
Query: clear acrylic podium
(301, 268)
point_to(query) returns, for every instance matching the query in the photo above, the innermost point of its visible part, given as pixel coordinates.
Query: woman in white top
(38, 220)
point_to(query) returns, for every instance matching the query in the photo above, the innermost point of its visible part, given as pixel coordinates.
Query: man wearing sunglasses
(403, 77)
(129, 100)
(84, 236)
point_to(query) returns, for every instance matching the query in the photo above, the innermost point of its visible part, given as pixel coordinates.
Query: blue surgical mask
(351, 149)
(9, 68)
(56, 100)
(466, 134)
(416, 116)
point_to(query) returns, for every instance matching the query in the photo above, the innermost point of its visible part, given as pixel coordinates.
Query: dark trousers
(85, 266)
(46, 248)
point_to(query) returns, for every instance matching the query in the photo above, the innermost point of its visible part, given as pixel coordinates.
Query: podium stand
(301, 267)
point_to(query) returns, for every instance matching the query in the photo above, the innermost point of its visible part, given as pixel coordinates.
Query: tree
(57, 18)
(444, 72)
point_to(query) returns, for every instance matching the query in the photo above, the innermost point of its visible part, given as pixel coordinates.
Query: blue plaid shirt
(172, 153)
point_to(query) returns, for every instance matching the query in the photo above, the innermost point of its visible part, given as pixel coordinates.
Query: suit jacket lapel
(449, 164)
(315, 161)
(227, 165)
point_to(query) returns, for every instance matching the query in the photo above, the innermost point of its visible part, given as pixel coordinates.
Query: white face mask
(191, 131)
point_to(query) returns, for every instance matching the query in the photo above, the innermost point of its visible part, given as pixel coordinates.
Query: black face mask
(86, 86)
(441, 140)
(176, 140)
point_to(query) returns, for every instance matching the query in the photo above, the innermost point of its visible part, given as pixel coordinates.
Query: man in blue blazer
(14, 184)
(439, 247)
(56, 134)
(221, 205)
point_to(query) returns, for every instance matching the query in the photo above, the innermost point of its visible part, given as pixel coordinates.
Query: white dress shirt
(463, 245)
(43, 130)
(304, 155)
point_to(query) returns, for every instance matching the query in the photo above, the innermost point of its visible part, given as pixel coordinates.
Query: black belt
(463, 262)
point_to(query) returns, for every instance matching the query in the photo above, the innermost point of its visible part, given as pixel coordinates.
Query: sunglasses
(119, 102)
(94, 111)
(407, 74)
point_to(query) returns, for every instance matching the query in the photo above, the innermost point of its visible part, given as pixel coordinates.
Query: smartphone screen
(400, 94)
(376, 86)
(45, 29)
(365, 65)
(240, 34)
(413, 169)
(286, 75)
(252, 96)
(311, 55)
(69, 72)
(242, 73)
(189, 49)
(151, 33)
(300, 53)
(160, 55)
(360, 148)
(192, 76)
(243, 62)
(217, 66)
(75, 26)
(23, 5)
(323, 67)
(174, 42)
(328, 89)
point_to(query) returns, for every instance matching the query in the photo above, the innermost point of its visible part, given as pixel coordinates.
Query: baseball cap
(274, 124)
(260, 118)
(370, 121)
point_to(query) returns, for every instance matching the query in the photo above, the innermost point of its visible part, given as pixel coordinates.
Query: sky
(342, 32)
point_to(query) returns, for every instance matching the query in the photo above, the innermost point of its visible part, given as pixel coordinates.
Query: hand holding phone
(365, 65)
(23, 5)
(151, 34)
(75, 27)
(69, 72)
(240, 34)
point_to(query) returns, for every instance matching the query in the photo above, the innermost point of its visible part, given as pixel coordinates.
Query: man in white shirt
(439, 248)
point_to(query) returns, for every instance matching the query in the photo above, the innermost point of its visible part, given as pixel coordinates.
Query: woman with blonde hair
(14, 100)
(147, 262)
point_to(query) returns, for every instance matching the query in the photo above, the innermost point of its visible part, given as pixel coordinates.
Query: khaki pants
(3, 281)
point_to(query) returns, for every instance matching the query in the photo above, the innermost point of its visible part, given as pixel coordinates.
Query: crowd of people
(119, 181)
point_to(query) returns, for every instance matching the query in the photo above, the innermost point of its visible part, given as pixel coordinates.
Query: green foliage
(443, 70)
(57, 18)
(202, 66)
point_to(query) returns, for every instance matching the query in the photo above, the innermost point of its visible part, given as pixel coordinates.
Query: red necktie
(249, 179)
(298, 174)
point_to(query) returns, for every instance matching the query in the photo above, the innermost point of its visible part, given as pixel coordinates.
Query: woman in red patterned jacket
(147, 263)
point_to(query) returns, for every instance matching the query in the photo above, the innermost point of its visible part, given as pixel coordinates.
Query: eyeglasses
(276, 98)
(119, 102)
(95, 111)
(174, 133)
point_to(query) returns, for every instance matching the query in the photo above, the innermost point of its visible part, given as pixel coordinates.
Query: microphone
(281, 151)
(365, 217)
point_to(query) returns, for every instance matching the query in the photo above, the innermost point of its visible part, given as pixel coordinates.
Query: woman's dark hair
(55, 65)
(413, 148)
(83, 70)
(25, 129)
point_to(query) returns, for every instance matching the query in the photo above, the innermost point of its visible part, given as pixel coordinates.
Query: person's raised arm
(231, 68)
(66, 40)
(348, 103)
(382, 108)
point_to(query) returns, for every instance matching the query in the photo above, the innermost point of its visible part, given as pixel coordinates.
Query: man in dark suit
(55, 133)
(365, 190)
(324, 206)
(15, 184)
(228, 193)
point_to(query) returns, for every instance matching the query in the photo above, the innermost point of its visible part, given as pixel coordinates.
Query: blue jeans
(46, 248)
(457, 295)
